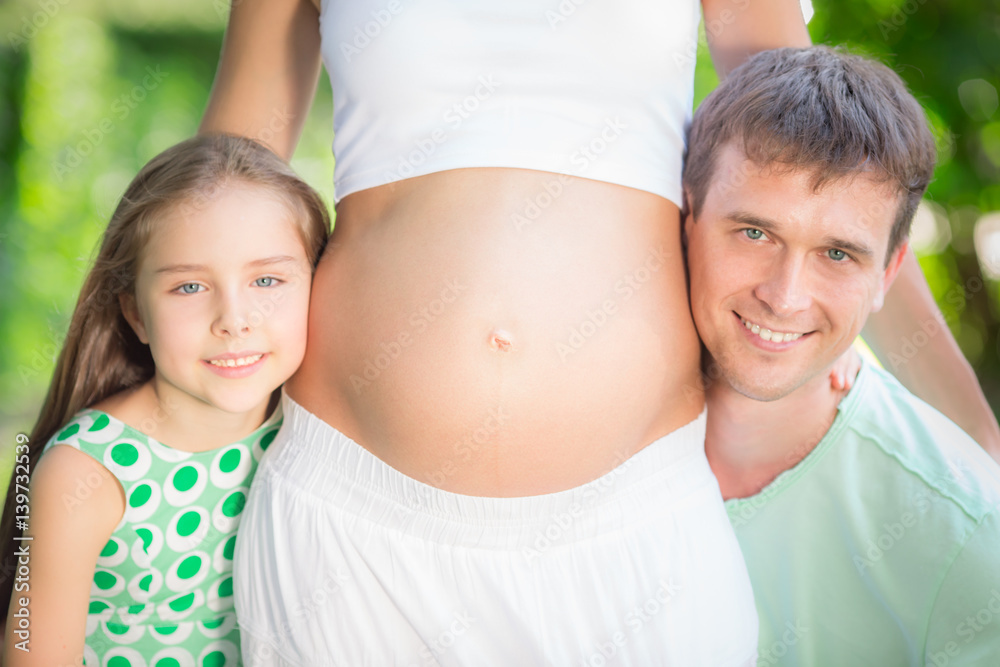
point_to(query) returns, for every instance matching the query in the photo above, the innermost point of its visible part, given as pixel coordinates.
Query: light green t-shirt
(882, 546)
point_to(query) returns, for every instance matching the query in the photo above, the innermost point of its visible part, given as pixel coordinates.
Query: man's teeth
(233, 363)
(767, 334)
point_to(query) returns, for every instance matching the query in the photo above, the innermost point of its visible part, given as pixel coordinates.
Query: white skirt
(343, 560)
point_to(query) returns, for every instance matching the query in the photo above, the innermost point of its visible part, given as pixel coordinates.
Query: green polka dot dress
(162, 594)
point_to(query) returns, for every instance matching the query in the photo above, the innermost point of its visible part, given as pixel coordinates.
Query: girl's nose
(233, 320)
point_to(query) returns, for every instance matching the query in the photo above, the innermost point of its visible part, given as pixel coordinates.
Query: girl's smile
(236, 365)
(221, 299)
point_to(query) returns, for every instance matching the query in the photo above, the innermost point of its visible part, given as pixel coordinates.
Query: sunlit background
(91, 89)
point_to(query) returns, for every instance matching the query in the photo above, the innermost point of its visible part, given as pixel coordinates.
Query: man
(868, 520)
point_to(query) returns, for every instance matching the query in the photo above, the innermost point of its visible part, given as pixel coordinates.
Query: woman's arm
(267, 73)
(912, 341)
(70, 521)
(736, 29)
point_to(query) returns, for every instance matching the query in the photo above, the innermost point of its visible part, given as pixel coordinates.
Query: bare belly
(502, 332)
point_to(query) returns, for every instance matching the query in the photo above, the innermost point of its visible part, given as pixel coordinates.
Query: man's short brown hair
(819, 109)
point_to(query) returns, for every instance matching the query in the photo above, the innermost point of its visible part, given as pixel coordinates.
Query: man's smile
(769, 334)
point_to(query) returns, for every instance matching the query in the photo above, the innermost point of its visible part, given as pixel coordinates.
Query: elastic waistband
(309, 456)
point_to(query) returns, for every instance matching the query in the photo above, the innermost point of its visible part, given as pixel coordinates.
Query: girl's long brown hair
(101, 355)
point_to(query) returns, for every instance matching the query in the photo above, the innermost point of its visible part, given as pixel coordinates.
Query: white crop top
(599, 89)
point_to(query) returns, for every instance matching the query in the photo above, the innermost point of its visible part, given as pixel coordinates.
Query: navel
(500, 340)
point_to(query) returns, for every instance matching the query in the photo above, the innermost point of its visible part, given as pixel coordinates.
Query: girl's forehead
(237, 222)
(229, 194)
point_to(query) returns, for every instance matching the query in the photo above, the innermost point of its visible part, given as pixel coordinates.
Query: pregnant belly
(502, 332)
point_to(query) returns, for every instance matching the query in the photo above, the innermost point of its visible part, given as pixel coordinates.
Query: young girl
(162, 404)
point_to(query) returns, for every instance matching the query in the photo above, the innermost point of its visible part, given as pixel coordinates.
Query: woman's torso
(499, 330)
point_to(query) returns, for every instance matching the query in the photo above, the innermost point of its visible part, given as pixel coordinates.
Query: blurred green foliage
(948, 52)
(92, 89)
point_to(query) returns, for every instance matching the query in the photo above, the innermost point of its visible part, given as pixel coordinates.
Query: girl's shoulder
(93, 432)
(129, 454)
(149, 470)
(119, 446)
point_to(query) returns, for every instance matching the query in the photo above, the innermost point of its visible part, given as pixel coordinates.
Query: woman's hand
(845, 370)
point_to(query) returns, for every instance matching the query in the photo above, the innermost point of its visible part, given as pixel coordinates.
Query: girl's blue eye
(754, 234)
(267, 281)
(836, 255)
(190, 288)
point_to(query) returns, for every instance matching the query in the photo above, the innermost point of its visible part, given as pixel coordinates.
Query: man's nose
(784, 287)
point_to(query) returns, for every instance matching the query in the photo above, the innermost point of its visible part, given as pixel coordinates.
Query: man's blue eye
(264, 282)
(836, 255)
(190, 288)
(754, 234)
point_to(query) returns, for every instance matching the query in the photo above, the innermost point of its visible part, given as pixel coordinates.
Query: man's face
(782, 277)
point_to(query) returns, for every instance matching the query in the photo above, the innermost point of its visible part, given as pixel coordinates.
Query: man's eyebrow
(193, 268)
(852, 248)
(857, 249)
(750, 220)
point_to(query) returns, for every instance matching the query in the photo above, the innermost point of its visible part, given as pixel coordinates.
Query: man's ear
(891, 271)
(687, 218)
(130, 309)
